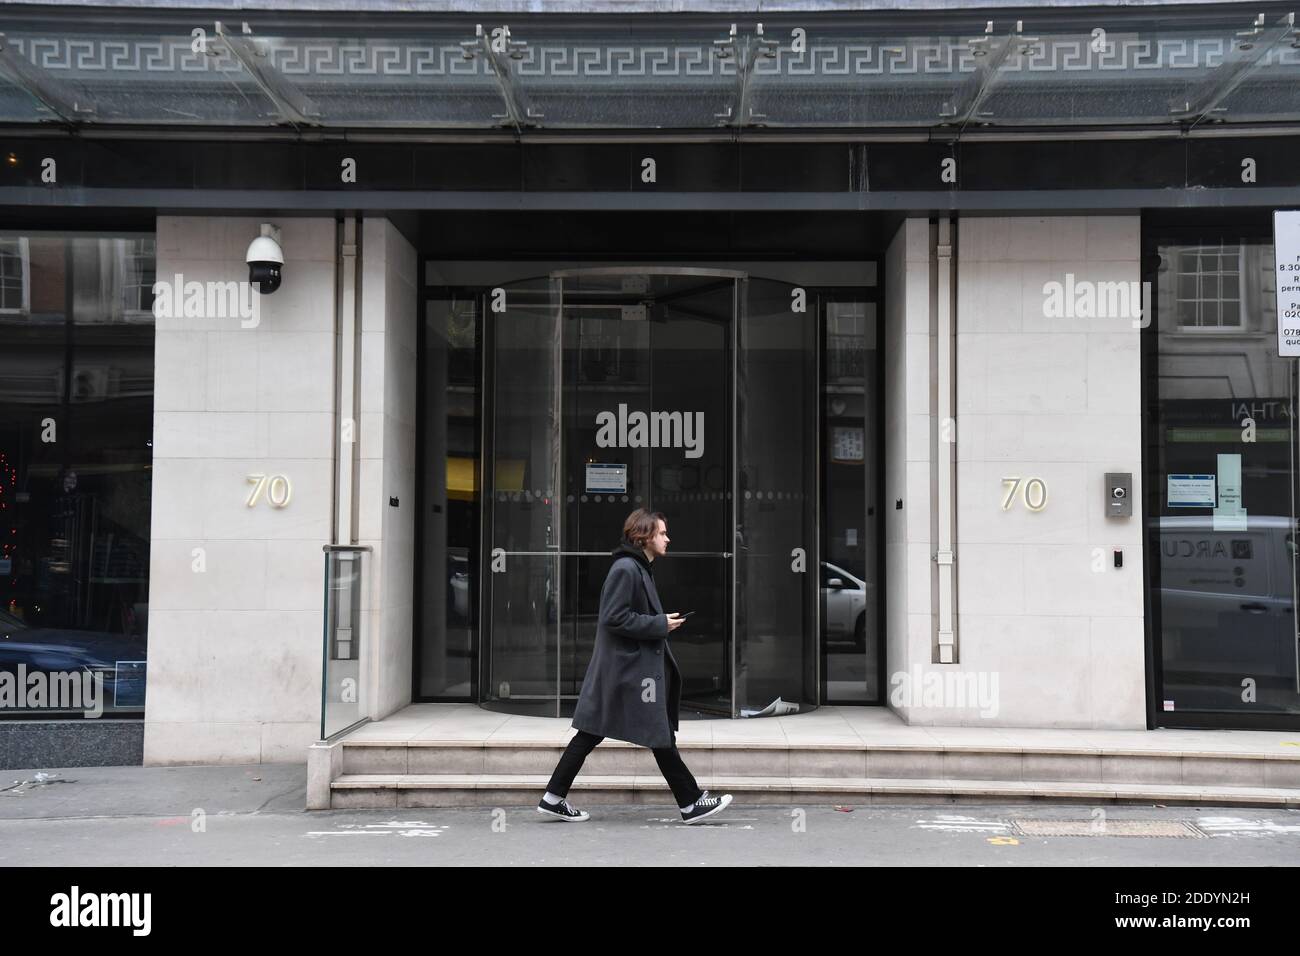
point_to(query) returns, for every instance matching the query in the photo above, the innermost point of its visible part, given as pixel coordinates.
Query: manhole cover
(1111, 828)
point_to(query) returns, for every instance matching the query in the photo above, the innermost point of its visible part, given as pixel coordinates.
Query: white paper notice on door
(606, 477)
(1190, 491)
(1286, 255)
(1229, 515)
(847, 443)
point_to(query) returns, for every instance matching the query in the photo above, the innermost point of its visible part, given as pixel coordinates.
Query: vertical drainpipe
(945, 484)
(347, 357)
(347, 439)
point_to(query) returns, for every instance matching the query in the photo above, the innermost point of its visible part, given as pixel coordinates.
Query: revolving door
(687, 391)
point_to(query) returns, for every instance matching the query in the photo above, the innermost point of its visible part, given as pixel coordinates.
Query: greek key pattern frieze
(388, 57)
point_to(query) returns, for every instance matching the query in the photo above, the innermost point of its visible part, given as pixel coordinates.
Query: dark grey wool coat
(633, 686)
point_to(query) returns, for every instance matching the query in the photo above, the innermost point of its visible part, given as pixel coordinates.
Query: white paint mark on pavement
(406, 828)
(1240, 826)
(955, 823)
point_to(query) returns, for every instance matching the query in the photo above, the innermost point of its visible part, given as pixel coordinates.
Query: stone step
(355, 791)
(1098, 766)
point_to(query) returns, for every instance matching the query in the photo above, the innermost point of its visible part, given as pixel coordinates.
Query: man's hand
(675, 621)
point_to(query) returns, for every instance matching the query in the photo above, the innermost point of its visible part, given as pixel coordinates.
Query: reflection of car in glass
(1227, 598)
(458, 584)
(47, 650)
(844, 603)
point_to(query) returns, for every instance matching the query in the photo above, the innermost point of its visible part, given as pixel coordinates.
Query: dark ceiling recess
(595, 236)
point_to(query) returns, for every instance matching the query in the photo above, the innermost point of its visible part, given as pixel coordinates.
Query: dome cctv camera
(265, 259)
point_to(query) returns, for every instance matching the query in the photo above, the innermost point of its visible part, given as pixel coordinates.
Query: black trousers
(685, 789)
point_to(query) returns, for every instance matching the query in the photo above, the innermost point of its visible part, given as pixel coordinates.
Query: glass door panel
(776, 566)
(851, 644)
(646, 421)
(522, 576)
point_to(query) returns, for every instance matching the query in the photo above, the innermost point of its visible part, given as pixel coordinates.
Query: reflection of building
(839, 259)
(1217, 301)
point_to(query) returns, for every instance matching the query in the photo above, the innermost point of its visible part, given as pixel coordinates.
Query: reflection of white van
(458, 584)
(844, 607)
(1227, 597)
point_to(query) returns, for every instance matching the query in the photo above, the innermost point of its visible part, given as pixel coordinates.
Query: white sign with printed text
(1286, 245)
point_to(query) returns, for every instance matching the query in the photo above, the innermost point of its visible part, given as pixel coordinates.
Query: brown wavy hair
(641, 526)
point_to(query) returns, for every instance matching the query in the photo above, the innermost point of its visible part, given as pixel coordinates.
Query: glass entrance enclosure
(687, 391)
(740, 398)
(1223, 484)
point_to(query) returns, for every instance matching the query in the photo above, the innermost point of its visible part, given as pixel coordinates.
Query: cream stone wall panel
(1059, 400)
(169, 744)
(1034, 373)
(908, 457)
(180, 372)
(372, 502)
(238, 647)
(176, 510)
(1064, 579)
(389, 363)
(304, 303)
(917, 393)
(224, 482)
(992, 579)
(206, 434)
(295, 372)
(281, 742)
(232, 370)
(1060, 438)
(1043, 663)
(293, 435)
(916, 502)
(1113, 237)
(981, 519)
(919, 556)
(991, 300)
(1114, 362)
(244, 670)
(234, 575)
(293, 589)
(1111, 302)
(1118, 671)
(917, 437)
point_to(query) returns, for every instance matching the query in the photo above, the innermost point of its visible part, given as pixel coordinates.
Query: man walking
(625, 694)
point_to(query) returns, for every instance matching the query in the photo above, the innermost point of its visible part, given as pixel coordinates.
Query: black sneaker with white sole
(706, 806)
(563, 811)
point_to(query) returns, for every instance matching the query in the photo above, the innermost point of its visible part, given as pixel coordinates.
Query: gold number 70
(277, 488)
(1034, 493)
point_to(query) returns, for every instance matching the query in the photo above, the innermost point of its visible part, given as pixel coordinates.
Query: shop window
(1222, 489)
(76, 429)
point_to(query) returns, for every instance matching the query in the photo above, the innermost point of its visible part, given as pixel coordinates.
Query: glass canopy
(1124, 67)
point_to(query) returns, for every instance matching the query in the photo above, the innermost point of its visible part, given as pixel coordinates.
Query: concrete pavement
(252, 815)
